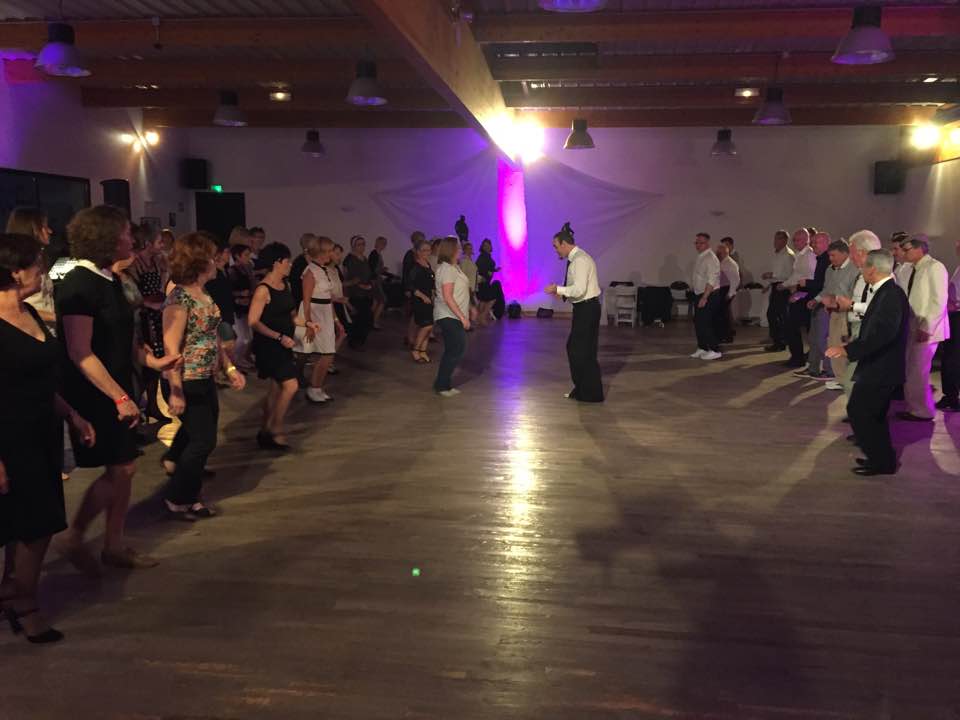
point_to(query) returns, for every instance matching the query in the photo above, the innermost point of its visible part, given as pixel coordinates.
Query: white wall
(43, 128)
(930, 204)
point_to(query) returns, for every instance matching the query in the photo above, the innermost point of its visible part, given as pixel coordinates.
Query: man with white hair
(926, 288)
(862, 243)
(879, 352)
(798, 315)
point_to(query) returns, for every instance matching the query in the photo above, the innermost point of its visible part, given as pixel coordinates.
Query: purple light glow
(512, 230)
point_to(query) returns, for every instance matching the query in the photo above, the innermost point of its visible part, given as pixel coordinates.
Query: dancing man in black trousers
(880, 351)
(582, 289)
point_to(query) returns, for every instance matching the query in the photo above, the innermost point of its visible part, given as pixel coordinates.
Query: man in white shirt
(798, 315)
(950, 355)
(582, 289)
(926, 288)
(777, 307)
(862, 243)
(706, 279)
(901, 268)
(729, 283)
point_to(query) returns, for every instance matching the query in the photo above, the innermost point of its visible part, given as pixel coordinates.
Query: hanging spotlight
(127, 138)
(60, 56)
(229, 114)
(312, 144)
(866, 43)
(152, 137)
(281, 96)
(579, 138)
(772, 111)
(365, 90)
(724, 146)
(572, 6)
(925, 137)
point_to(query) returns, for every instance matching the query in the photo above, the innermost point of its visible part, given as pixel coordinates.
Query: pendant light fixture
(312, 144)
(60, 57)
(866, 43)
(724, 146)
(772, 111)
(365, 90)
(579, 138)
(572, 6)
(229, 114)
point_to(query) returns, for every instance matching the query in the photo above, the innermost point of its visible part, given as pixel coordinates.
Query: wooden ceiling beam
(446, 55)
(125, 36)
(732, 117)
(241, 72)
(691, 96)
(708, 25)
(303, 119)
(327, 100)
(750, 67)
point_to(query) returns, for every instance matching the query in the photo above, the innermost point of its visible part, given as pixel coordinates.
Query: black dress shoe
(946, 403)
(774, 348)
(865, 471)
(845, 420)
(862, 462)
(853, 438)
(910, 417)
(795, 363)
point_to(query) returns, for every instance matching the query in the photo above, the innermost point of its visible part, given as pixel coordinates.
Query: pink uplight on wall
(512, 230)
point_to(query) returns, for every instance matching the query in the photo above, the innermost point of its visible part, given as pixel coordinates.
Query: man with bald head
(798, 315)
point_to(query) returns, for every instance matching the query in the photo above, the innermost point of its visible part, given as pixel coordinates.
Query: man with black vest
(582, 289)
(880, 353)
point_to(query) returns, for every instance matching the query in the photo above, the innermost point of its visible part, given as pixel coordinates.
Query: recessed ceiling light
(137, 57)
(931, 79)
(746, 92)
(154, 87)
(143, 87)
(281, 96)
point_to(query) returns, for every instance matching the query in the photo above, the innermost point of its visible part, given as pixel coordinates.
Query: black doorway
(219, 213)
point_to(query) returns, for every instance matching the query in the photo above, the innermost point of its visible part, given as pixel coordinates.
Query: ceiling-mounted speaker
(193, 173)
(889, 177)
(116, 192)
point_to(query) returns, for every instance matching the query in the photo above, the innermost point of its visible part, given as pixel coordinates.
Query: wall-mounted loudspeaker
(116, 192)
(889, 177)
(193, 173)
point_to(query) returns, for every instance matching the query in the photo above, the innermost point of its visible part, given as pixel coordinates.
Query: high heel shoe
(266, 441)
(50, 635)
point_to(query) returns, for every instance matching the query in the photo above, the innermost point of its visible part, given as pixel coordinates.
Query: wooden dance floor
(694, 548)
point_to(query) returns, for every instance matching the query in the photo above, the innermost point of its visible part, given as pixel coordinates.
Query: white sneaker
(449, 393)
(834, 385)
(698, 354)
(711, 355)
(317, 395)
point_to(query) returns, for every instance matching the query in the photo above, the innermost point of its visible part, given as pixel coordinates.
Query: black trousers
(194, 441)
(582, 351)
(723, 319)
(950, 360)
(361, 321)
(777, 315)
(704, 320)
(454, 348)
(798, 318)
(867, 410)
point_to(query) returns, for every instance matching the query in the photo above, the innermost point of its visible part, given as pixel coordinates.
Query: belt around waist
(595, 299)
(321, 301)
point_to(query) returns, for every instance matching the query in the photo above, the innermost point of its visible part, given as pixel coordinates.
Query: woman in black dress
(273, 316)
(95, 325)
(486, 294)
(149, 270)
(379, 269)
(421, 281)
(358, 283)
(31, 437)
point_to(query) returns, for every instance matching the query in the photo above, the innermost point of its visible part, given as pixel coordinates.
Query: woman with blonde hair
(451, 312)
(317, 306)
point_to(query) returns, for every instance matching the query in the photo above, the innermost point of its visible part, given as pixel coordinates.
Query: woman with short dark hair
(95, 324)
(31, 438)
(486, 292)
(273, 317)
(358, 282)
(191, 321)
(421, 281)
(32, 221)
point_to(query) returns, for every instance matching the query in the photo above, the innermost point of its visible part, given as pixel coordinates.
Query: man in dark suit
(880, 351)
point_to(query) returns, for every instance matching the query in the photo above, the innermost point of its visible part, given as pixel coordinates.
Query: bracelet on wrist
(230, 369)
(121, 400)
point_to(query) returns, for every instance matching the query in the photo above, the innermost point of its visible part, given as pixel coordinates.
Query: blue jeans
(454, 348)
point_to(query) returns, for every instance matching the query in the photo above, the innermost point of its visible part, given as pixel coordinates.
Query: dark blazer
(880, 350)
(815, 287)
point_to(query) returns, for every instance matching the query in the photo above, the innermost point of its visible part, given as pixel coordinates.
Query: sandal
(49, 635)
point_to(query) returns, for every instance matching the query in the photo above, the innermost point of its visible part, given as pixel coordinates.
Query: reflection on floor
(696, 547)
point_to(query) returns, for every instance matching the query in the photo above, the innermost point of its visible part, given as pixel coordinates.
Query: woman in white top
(317, 306)
(451, 313)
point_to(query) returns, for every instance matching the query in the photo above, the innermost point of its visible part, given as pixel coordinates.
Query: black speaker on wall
(116, 192)
(193, 173)
(889, 177)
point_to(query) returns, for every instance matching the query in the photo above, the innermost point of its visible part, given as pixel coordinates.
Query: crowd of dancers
(146, 328)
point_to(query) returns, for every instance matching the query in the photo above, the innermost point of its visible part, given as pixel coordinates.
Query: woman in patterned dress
(190, 322)
(150, 272)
